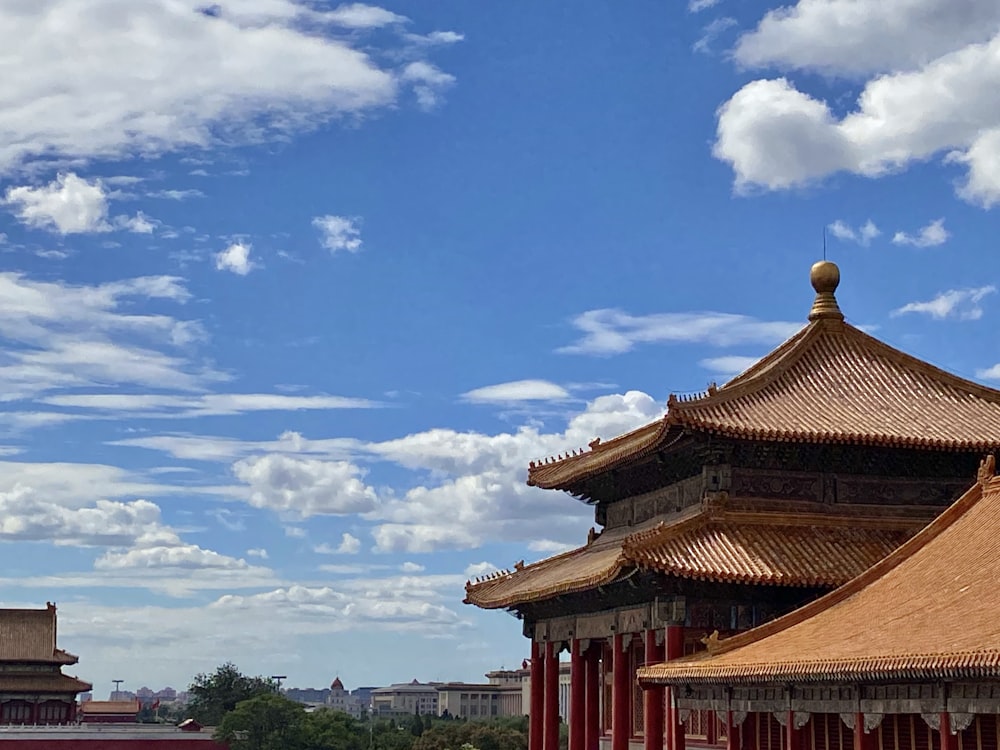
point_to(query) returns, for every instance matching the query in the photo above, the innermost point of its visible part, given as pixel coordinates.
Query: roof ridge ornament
(825, 277)
(987, 470)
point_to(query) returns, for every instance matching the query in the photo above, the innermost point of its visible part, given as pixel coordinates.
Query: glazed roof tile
(54, 682)
(129, 707)
(927, 611)
(30, 635)
(740, 547)
(830, 383)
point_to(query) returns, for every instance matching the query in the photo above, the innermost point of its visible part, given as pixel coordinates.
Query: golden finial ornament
(825, 277)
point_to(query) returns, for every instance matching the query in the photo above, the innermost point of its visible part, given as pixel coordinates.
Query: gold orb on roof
(824, 276)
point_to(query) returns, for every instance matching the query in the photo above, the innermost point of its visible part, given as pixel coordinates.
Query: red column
(536, 712)
(621, 722)
(949, 741)
(732, 733)
(593, 697)
(862, 739)
(577, 697)
(551, 696)
(674, 650)
(653, 698)
(793, 736)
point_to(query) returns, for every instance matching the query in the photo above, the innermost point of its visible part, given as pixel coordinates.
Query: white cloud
(178, 557)
(305, 486)
(411, 567)
(711, 32)
(429, 82)
(258, 552)
(863, 235)
(236, 259)
(777, 137)
(246, 74)
(932, 235)
(435, 37)
(339, 233)
(138, 224)
(517, 390)
(361, 16)
(349, 545)
(67, 205)
(212, 404)
(59, 335)
(176, 195)
(960, 304)
(476, 570)
(609, 332)
(696, 6)
(861, 37)
(729, 365)
(990, 373)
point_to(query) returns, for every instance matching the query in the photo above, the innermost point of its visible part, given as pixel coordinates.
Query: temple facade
(737, 506)
(906, 655)
(33, 689)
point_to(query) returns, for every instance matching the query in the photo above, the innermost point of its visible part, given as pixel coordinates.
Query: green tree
(216, 694)
(416, 725)
(265, 722)
(334, 730)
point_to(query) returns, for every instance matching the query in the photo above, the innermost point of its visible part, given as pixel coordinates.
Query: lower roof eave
(648, 677)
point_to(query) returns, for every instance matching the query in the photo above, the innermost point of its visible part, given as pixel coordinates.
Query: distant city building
(406, 698)
(340, 699)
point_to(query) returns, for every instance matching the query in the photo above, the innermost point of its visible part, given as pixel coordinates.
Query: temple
(905, 655)
(33, 689)
(739, 505)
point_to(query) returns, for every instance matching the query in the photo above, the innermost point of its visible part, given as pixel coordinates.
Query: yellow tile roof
(830, 383)
(928, 611)
(30, 635)
(764, 548)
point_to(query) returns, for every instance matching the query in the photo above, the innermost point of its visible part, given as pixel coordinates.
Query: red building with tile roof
(739, 505)
(910, 647)
(33, 688)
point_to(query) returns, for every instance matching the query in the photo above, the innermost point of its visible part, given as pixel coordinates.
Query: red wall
(110, 743)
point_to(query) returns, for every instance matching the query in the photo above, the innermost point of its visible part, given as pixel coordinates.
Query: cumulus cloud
(305, 486)
(176, 557)
(138, 224)
(517, 391)
(862, 37)
(349, 545)
(67, 205)
(711, 32)
(235, 259)
(932, 235)
(863, 235)
(339, 233)
(609, 331)
(923, 99)
(989, 373)
(247, 73)
(959, 304)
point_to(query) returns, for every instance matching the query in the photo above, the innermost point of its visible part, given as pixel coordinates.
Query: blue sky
(293, 292)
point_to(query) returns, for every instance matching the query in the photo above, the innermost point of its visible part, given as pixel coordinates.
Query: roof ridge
(905, 551)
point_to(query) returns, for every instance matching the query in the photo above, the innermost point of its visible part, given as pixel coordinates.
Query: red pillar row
(593, 697)
(793, 736)
(621, 722)
(551, 696)
(653, 698)
(863, 740)
(536, 713)
(732, 733)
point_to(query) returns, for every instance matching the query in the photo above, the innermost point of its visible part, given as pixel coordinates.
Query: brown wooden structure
(739, 505)
(33, 689)
(905, 655)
